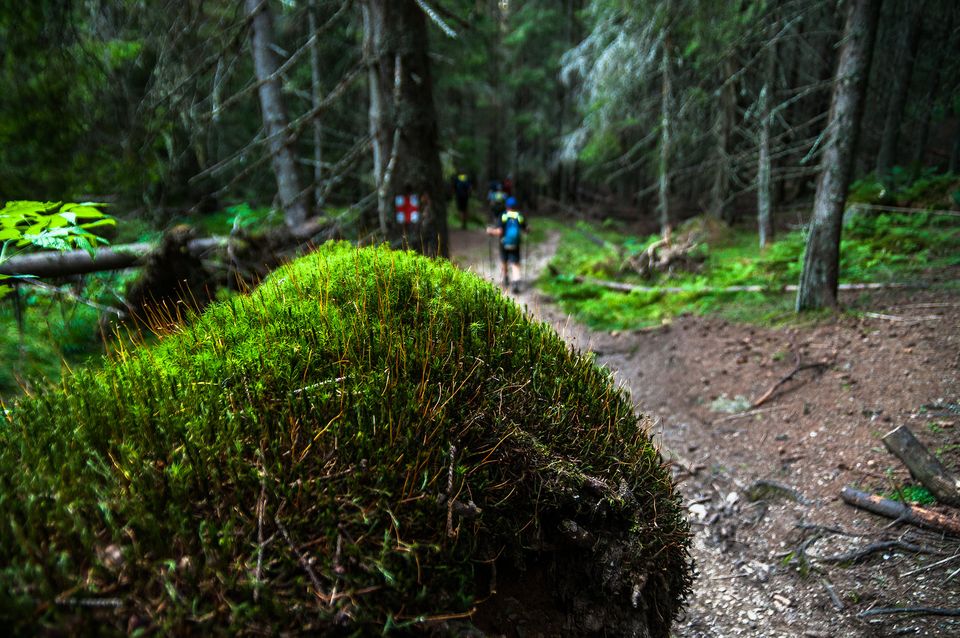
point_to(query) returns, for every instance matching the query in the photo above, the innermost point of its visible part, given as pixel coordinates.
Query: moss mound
(354, 448)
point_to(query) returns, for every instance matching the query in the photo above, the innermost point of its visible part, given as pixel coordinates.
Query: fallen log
(80, 262)
(923, 465)
(624, 287)
(919, 516)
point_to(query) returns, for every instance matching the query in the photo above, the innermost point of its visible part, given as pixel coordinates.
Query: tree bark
(315, 104)
(919, 516)
(955, 153)
(821, 264)
(79, 262)
(764, 217)
(275, 120)
(726, 115)
(903, 72)
(379, 102)
(923, 466)
(404, 119)
(666, 115)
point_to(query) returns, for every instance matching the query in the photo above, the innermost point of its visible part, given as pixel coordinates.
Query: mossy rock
(357, 447)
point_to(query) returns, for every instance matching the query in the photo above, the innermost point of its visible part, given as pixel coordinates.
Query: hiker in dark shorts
(510, 229)
(461, 193)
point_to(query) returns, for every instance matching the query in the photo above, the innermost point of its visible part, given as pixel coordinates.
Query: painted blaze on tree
(346, 450)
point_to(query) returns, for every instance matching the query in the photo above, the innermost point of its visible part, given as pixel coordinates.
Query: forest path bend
(756, 546)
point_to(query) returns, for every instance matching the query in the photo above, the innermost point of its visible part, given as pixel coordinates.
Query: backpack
(511, 230)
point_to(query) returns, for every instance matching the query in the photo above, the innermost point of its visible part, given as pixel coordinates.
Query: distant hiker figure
(508, 185)
(497, 199)
(461, 193)
(510, 229)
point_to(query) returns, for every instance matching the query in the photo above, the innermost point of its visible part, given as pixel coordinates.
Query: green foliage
(335, 410)
(54, 333)
(916, 494)
(875, 247)
(48, 225)
(241, 216)
(906, 188)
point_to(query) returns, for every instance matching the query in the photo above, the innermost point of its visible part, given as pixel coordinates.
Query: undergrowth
(342, 452)
(874, 248)
(54, 331)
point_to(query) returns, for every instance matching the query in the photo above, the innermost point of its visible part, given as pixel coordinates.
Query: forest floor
(769, 556)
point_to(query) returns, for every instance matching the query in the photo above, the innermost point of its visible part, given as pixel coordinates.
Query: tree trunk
(494, 111)
(726, 115)
(955, 153)
(379, 101)
(315, 104)
(275, 121)
(764, 217)
(666, 115)
(901, 85)
(404, 122)
(821, 264)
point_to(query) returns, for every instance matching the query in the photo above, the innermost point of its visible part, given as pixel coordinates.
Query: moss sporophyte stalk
(345, 450)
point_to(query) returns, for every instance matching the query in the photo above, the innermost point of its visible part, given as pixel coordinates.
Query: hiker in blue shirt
(510, 229)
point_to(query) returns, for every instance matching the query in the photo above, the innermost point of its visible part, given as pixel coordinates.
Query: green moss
(336, 410)
(874, 248)
(917, 494)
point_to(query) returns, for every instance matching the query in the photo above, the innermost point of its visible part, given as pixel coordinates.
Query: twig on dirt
(823, 529)
(877, 315)
(926, 611)
(301, 559)
(750, 412)
(797, 368)
(837, 603)
(858, 555)
(730, 577)
(952, 574)
(931, 565)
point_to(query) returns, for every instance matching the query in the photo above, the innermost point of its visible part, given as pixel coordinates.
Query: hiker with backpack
(496, 198)
(510, 229)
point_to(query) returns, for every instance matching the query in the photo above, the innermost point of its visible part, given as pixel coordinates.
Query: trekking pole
(525, 254)
(493, 271)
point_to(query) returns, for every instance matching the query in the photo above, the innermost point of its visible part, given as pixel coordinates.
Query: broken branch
(923, 465)
(919, 516)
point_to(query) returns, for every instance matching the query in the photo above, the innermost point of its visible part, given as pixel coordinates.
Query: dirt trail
(762, 488)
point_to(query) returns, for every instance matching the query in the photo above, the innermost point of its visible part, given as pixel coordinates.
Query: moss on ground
(344, 451)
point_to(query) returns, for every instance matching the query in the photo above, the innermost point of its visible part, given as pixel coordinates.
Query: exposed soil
(766, 553)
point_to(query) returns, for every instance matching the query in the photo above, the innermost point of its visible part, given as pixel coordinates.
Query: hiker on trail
(461, 193)
(508, 185)
(511, 226)
(497, 199)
